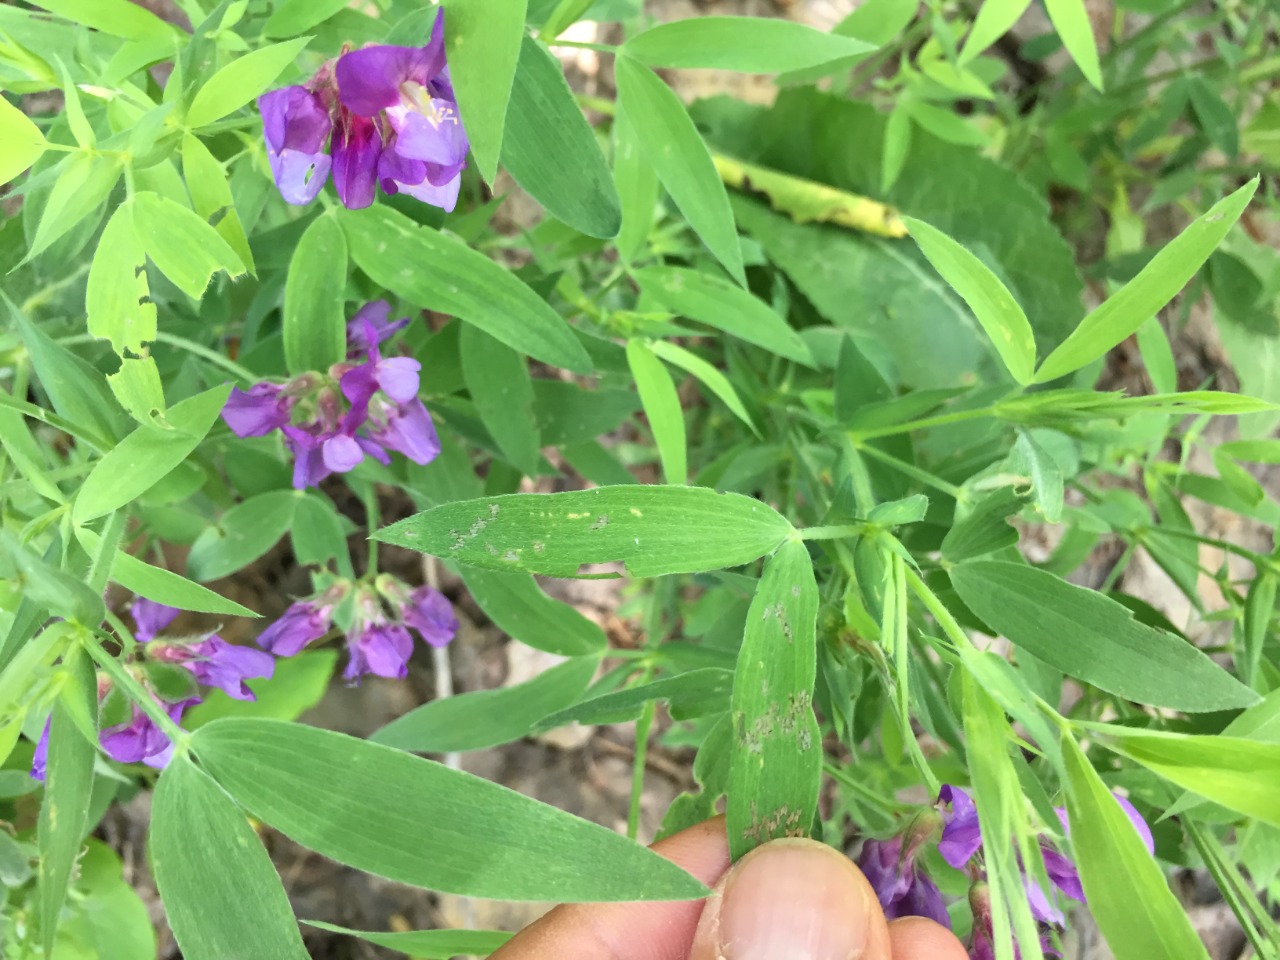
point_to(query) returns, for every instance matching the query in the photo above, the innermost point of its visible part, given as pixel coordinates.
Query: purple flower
(380, 648)
(40, 759)
(257, 411)
(357, 147)
(216, 663)
(430, 613)
(295, 125)
(370, 327)
(962, 838)
(303, 623)
(903, 890)
(150, 618)
(404, 428)
(425, 148)
(140, 739)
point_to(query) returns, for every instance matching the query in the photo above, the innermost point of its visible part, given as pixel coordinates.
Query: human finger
(792, 898)
(916, 938)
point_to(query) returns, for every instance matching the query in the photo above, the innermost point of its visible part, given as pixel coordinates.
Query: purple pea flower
(150, 618)
(378, 647)
(257, 411)
(295, 125)
(405, 428)
(370, 327)
(429, 612)
(903, 890)
(406, 91)
(216, 663)
(40, 759)
(140, 739)
(962, 838)
(304, 622)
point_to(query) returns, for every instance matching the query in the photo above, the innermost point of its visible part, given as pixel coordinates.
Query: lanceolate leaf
(482, 39)
(183, 246)
(654, 530)
(221, 894)
(662, 408)
(516, 605)
(314, 786)
(117, 298)
(437, 272)
(1095, 639)
(551, 150)
(775, 762)
(1127, 892)
(672, 145)
(21, 141)
(988, 298)
(315, 325)
(1157, 284)
(241, 80)
(1071, 20)
(749, 44)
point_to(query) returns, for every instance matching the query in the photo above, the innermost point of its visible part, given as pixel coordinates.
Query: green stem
(950, 626)
(373, 520)
(643, 727)
(106, 554)
(928, 479)
(182, 343)
(598, 104)
(942, 419)
(45, 293)
(134, 690)
(53, 420)
(578, 44)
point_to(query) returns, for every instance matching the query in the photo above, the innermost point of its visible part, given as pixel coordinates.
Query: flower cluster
(388, 116)
(364, 406)
(378, 642)
(962, 840)
(211, 661)
(904, 890)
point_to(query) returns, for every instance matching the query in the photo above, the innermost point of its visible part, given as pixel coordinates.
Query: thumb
(792, 900)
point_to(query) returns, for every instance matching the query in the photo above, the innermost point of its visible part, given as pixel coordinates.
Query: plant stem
(372, 521)
(928, 479)
(134, 690)
(580, 45)
(838, 532)
(643, 727)
(942, 419)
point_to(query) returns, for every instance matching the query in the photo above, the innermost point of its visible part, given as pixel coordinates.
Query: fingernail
(794, 900)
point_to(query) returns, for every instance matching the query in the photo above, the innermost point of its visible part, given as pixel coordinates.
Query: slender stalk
(928, 479)
(134, 690)
(838, 532)
(580, 45)
(643, 727)
(941, 420)
(372, 521)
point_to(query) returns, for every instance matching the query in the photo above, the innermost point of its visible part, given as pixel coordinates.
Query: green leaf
(55, 590)
(671, 144)
(220, 891)
(64, 814)
(117, 298)
(427, 944)
(661, 408)
(242, 535)
(146, 455)
(775, 762)
(710, 377)
(654, 530)
(637, 186)
(315, 323)
(319, 534)
(1128, 896)
(569, 414)
(292, 17)
(1237, 773)
(211, 196)
(985, 528)
(488, 718)
(1158, 282)
(165, 586)
(717, 303)
(482, 40)
(747, 44)
(499, 384)
(988, 298)
(994, 19)
(119, 18)
(897, 144)
(698, 693)
(185, 248)
(21, 142)
(437, 272)
(78, 391)
(138, 388)
(1070, 18)
(84, 181)
(431, 826)
(1216, 119)
(298, 684)
(523, 612)
(241, 80)
(876, 22)
(551, 150)
(1095, 639)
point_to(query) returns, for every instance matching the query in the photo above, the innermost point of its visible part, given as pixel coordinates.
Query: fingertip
(916, 938)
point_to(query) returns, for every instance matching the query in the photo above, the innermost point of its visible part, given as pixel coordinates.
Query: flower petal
(369, 79)
(356, 149)
(961, 834)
